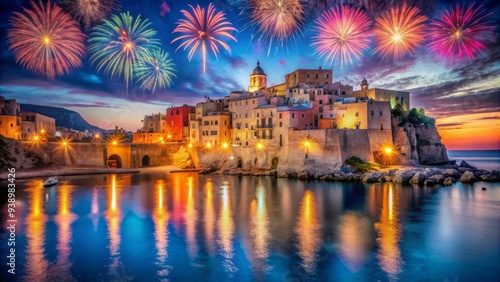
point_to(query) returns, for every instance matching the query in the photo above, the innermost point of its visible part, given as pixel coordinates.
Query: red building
(178, 122)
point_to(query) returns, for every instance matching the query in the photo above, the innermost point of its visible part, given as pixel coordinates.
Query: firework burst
(276, 20)
(460, 33)
(342, 34)
(119, 43)
(399, 31)
(155, 70)
(89, 12)
(202, 28)
(45, 40)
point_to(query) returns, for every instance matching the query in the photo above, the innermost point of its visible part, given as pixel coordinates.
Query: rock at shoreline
(303, 175)
(448, 181)
(403, 176)
(451, 172)
(434, 179)
(418, 178)
(468, 177)
(372, 177)
(467, 165)
(490, 177)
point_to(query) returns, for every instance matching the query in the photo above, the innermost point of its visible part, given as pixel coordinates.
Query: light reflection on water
(213, 228)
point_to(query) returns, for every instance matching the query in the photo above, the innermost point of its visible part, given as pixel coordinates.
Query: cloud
(488, 118)
(236, 62)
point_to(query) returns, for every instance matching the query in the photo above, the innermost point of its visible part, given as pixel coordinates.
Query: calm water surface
(190, 227)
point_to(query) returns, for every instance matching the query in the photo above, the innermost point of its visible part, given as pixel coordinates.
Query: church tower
(258, 79)
(364, 85)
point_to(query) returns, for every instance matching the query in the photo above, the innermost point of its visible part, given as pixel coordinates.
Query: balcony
(263, 126)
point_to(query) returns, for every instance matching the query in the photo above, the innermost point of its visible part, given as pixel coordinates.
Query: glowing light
(190, 145)
(119, 43)
(225, 145)
(260, 146)
(399, 31)
(388, 150)
(460, 33)
(201, 28)
(97, 136)
(65, 143)
(169, 136)
(208, 145)
(36, 138)
(42, 131)
(45, 40)
(115, 143)
(342, 34)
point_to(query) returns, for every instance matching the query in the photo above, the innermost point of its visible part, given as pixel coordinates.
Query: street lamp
(115, 143)
(388, 150)
(260, 146)
(307, 144)
(225, 145)
(208, 145)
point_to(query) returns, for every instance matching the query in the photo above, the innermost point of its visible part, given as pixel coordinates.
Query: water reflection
(308, 231)
(259, 231)
(389, 232)
(190, 219)
(94, 208)
(113, 218)
(36, 264)
(64, 219)
(354, 240)
(226, 229)
(160, 219)
(209, 218)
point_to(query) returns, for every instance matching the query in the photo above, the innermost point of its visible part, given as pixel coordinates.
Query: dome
(258, 70)
(364, 81)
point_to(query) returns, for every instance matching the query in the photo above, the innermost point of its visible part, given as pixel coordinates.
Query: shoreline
(69, 171)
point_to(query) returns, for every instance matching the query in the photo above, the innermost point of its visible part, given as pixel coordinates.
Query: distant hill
(63, 117)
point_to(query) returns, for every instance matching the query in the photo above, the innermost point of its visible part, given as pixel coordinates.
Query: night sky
(464, 97)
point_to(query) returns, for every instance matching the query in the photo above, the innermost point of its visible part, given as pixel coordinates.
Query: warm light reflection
(36, 265)
(64, 219)
(354, 239)
(389, 232)
(160, 219)
(259, 230)
(308, 232)
(190, 219)
(94, 208)
(209, 218)
(113, 218)
(226, 228)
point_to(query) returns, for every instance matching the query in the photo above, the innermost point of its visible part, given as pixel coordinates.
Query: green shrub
(359, 164)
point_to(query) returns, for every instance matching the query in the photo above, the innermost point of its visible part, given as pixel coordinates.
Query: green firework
(120, 43)
(155, 70)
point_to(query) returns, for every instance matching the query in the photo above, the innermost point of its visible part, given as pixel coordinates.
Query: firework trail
(342, 34)
(460, 33)
(276, 20)
(155, 71)
(202, 28)
(89, 12)
(399, 31)
(45, 40)
(118, 44)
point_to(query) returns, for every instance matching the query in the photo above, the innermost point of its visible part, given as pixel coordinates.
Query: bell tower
(258, 79)
(364, 85)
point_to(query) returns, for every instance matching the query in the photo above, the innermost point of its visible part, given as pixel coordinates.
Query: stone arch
(115, 161)
(146, 160)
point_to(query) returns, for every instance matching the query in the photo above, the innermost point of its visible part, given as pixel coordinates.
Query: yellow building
(258, 79)
(149, 137)
(378, 94)
(241, 105)
(154, 123)
(361, 114)
(215, 128)
(37, 124)
(10, 127)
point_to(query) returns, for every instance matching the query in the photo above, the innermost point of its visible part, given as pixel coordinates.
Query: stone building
(241, 105)
(155, 123)
(37, 124)
(9, 107)
(10, 127)
(394, 97)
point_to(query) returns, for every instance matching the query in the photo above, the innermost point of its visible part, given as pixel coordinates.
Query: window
(343, 115)
(381, 126)
(28, 129)
(293, 115)
(316, 75)
(308, 116)
(225, 122)
(253, 102)
(320, 116)
(281, 124)
(373, 113)
(343, 92)
(246, 115)
(216, 122)
(327, 76)
(357, 114)
(177, 112)
(213, 132)
(246, 102)
(320, 102)
(331, 115)
(171, 113)
(307, 75)
(246, 125)
(302, 115)
(271, 113)
(381, 113)
(211, 122)
(281, 115)
(257, 114)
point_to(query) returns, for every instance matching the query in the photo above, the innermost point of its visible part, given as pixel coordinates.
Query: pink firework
(399, 31)
(202, 28)
(342, 34)
(460, 33)
(45, 40)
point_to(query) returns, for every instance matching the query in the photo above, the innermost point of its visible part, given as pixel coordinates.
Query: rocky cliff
(419, 143)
